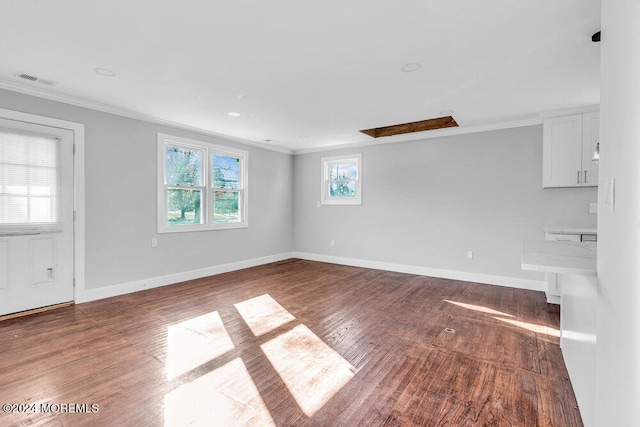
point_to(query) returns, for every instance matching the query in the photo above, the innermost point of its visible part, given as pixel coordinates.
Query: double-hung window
(201, 186)
(341, 180)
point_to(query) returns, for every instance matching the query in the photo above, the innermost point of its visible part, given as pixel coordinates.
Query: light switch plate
(610, 201)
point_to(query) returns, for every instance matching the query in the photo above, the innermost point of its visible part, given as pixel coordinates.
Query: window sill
(341, 202)
(196, 228)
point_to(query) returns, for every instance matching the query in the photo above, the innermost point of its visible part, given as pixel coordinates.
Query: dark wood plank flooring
(295, 343)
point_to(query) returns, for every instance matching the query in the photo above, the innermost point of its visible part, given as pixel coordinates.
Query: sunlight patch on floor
(224, 397)
(312, 371)
(478, 308)
(539, 329)
(194, 342)
(263, 314)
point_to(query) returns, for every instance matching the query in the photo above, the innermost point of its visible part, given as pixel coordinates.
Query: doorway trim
(78, 189)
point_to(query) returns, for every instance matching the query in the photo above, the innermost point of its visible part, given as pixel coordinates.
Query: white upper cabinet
(568, 146)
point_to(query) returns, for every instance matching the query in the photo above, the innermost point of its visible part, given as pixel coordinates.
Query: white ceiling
(306, 74)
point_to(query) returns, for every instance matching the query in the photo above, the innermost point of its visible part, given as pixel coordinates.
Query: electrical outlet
(593, 208)
(469, 254)
(154, 242)
(332, 243)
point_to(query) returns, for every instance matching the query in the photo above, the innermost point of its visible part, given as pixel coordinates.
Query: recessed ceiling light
(446, 112)
(104, 72)
(411, 67)
(233, 114)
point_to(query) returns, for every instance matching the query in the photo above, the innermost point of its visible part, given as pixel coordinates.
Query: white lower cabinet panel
(5, 264)
(578, 339)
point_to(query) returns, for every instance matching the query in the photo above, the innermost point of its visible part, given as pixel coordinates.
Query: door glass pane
(343, 170)
(342, 189)
(183, 206)
(184, 166)
(226, 171)
(40, 209)
(29, 179)
(226, 206)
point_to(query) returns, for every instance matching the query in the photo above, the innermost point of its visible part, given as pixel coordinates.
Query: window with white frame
(201, 186)
(342, 180)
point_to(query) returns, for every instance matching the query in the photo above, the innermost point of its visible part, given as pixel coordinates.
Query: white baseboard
(553, 299)
(155, 282)
(511, 282)
(86, 295)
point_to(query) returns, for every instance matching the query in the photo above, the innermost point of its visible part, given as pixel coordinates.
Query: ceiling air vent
(430, 124)
(32, 78)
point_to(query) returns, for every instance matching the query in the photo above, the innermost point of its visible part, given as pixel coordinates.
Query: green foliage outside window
(184, 169)
(226, 175)
(342, 177)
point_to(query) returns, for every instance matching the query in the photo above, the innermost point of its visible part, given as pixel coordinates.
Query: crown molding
(569, 111)
(110, 109)
(461, 130)
(427, 135)
(106, 108)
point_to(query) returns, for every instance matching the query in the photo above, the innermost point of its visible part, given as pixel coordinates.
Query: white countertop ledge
(559, 257)
(570, 230)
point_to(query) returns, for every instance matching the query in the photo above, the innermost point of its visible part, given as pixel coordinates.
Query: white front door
(36, 216)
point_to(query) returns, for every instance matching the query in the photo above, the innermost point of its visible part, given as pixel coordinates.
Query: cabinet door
(590, 137)
(562, 152)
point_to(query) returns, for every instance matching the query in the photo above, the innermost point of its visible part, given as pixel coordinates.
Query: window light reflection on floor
(478, 308)
(224, 397)
(194, 342)
(539, 329)
(312, 371)
(570, 335)
(263, 314)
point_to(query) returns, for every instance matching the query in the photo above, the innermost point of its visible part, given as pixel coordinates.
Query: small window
(342, 180)
(201, 186)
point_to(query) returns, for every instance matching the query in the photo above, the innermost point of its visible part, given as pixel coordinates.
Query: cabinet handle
(585, 177)
(578, 177)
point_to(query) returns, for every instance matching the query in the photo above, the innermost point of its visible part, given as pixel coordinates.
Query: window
(30, 181)
(201, 186)
(342, 180)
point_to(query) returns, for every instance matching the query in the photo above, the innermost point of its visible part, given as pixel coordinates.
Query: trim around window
(201, 186)
(341, 180)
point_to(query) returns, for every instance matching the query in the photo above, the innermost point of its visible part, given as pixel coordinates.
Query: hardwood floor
(295, 343)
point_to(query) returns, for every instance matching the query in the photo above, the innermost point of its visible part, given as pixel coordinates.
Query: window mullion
(204, 204)
(185, 187)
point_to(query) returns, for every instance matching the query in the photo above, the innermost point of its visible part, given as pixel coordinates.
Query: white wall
(426, 203)
(618, 315)
(120, 170)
